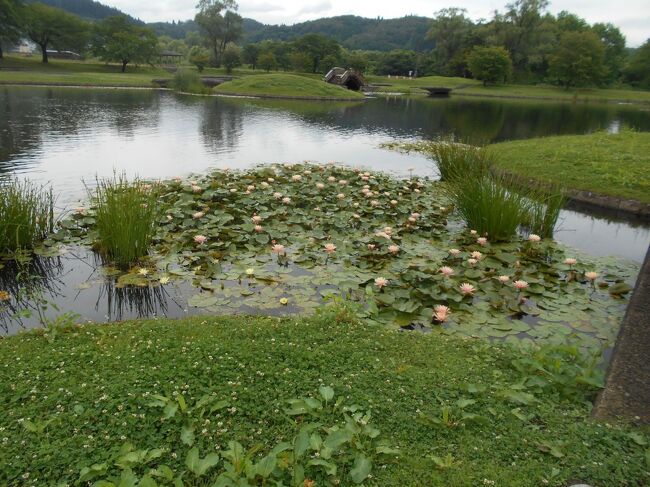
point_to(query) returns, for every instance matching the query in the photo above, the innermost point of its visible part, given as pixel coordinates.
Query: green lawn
(82, 396)
(18, 69)
(14, 69)
(464, 86)
(285, 85)
(609, 164)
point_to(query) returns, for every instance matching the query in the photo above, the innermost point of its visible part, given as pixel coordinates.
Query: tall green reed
(26, 214)
(126, 214)
(455, 160)
(488, 206)
(545, 204)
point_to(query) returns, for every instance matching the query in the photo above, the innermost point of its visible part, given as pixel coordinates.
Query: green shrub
(26, 215)
(188, 82)
(126, 219)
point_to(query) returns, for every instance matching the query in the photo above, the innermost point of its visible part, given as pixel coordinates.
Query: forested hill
(87, 9)
(352, 32)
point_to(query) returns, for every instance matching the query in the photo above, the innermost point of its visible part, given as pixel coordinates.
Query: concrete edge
(627, 382)
(580, 199)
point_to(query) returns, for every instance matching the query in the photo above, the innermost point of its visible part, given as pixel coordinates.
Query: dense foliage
(256, 398)
(117, 39)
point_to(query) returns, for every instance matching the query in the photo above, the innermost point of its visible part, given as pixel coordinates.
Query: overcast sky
(631, 16)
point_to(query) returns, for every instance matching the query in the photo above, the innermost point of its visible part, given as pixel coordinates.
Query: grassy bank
(15, 69)
(470, 87)
(608, 164)
(74, 397)
(285, 85)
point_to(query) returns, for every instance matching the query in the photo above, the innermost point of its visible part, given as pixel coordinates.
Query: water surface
(64, 136)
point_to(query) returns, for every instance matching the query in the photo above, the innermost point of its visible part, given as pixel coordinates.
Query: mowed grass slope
(14, 69)
(285, 85)
(609, 164)
(91, 387)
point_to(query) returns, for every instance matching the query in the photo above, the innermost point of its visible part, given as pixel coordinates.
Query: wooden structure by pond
(349, 78)
(169, 57)
(437, 90)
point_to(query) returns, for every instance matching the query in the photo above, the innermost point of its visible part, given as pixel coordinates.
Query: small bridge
(437, 90)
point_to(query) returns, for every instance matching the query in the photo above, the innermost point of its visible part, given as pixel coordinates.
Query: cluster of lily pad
(282, 238)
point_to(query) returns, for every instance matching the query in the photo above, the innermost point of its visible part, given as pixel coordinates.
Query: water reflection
(132, 301)
(63, 136)
(28, 283)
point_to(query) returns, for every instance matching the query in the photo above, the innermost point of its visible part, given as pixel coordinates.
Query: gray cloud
(316, 8)
(258, 7)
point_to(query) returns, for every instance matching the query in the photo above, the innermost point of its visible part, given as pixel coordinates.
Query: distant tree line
(524, 43)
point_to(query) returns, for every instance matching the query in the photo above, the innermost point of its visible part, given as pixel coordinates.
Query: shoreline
(369, 94)
(159, 88)
(588, 200)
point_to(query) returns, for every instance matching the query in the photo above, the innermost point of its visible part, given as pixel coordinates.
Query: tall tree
(10, 21)
(637, 71)
(317, 47)
(116, 39)
(450, 30)
(519, 29)
(490, 64)
(578, 60)
(53, 27)
(219, 23)
(614, 42)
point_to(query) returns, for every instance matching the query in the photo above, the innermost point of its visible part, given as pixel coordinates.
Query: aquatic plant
(292, 270)
(488, 206)
(26, 214)
(544, 210)
(126, 218)
(188, 81)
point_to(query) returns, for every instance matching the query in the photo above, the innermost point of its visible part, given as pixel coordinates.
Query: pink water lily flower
(591, 275)
(454, 252)
(570, 261)
(296, 177)
(340, 196)
(198, 214)
(520, 285)
(481, 241)
(320, 185)
(381, 282)
(256, 218)
(476, 255)
(197, 189)
(371, 246)
(534, 238)
(286, 200)
(277, 248)
(440, 312)
(467, 288)
(277, 196)
(503, 279)
(446, 271)
(258, 228)
(330, 247)
(472, 262)
(200, 239)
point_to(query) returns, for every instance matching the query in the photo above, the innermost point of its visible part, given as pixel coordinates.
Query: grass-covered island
(309, 401)
(286, 86)
(604, 163)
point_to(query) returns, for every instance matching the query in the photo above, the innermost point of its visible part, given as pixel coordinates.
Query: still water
(66, 137)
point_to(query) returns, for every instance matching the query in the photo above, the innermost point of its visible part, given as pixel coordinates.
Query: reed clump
(127, 215)
(26, 215)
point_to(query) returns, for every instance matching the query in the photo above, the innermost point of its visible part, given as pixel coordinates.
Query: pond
(65, 136)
